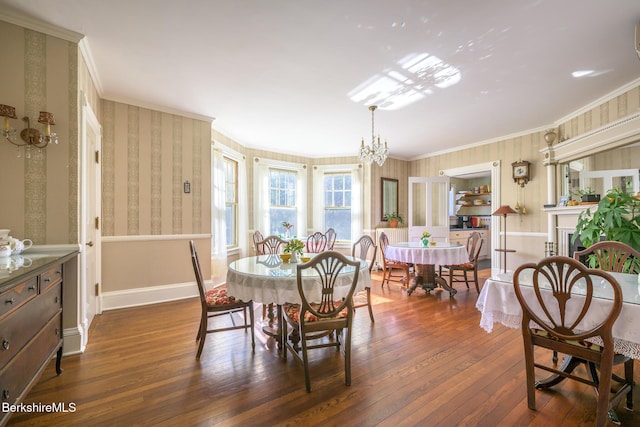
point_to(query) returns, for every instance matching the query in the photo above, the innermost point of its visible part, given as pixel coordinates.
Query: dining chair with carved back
(365, 249)
(270, 245)
(257, 238)
(610, 256)
(556, 296)
(389, 266)
(460, 272)
(316, 242)
(216, 302)
(313, 318)
(331, 238)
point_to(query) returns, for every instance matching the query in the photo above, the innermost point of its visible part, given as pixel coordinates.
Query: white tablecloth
(498, 304)
(266, 279)
(440, 254)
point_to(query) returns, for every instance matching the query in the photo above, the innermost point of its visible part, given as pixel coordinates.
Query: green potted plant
(394, 219)
(617, 217)
(294, 247)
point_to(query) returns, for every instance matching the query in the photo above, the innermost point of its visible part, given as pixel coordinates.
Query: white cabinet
(461, 236)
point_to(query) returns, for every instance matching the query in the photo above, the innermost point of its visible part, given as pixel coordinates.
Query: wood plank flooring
(425, 361)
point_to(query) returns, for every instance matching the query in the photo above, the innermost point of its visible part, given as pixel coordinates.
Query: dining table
(425, 258)
(498, 303)
(267, 279)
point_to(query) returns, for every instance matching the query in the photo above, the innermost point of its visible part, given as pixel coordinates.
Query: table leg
(568, 365)
(274, 328)
(428, 280)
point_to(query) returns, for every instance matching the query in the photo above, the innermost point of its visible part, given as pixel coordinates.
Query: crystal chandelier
(375, 152)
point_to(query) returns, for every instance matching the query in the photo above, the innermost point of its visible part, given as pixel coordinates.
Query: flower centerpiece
(425, 238)
(294, 247)
(287, 227)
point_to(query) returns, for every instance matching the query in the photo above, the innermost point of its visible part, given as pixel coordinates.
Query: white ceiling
(281, 74)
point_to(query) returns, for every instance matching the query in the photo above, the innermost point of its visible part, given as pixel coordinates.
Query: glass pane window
(231, 201)
(337, 203)
(282, 200)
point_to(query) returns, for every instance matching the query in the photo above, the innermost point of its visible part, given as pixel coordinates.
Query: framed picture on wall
(563, 201)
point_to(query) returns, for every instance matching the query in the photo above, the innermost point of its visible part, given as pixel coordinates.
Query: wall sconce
(30, 136)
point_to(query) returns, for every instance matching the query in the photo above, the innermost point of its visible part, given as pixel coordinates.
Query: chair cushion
(218, 296)
(578, 343)
(466, 265)
(292, 311)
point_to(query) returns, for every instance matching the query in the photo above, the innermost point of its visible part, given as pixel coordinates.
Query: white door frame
(89, 166)
(494, 168)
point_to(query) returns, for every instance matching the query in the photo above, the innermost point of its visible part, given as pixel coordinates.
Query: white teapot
(18, 246)
(5, 250)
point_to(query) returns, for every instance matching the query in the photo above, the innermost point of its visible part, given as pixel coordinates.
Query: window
(280, 194)
(337, 203)
(282, 199)
(231, 201)
(338, 200)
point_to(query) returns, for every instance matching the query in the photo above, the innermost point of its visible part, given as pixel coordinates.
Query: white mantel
(562, 222)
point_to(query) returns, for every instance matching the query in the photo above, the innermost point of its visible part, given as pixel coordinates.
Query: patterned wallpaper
(147, 157)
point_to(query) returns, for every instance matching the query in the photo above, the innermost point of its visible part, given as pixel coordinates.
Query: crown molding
(39, 25)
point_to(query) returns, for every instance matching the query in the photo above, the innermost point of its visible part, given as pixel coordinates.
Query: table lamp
(504, 210)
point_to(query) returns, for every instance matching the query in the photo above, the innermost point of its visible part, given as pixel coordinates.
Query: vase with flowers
(294, 247)
(425, 238)
(287, 228)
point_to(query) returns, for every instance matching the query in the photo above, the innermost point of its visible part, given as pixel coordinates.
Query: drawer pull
(31, 288)
(56, 299)
(47, 279)
(5, 344)
(5, 394)
(57, 331)
(9, 301)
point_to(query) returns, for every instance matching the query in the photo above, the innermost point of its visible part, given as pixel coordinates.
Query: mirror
(389, 197)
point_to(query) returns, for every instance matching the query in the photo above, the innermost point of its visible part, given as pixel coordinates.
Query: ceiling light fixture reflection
(417, 76)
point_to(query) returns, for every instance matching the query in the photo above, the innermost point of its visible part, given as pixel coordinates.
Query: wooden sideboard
(30, 322)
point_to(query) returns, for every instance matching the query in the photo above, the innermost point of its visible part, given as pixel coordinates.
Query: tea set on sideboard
(10, 250)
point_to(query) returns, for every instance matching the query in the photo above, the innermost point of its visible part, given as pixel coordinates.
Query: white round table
(425, 258)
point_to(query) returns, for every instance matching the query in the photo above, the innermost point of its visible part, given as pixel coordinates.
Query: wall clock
(521, 172)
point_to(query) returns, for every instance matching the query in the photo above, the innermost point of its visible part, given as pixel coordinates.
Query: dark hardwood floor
(425, 361)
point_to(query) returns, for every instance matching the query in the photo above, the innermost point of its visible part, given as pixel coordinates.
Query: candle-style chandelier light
(376, 152)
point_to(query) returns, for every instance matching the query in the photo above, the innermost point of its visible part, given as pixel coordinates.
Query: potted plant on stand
(394, 219)
(617, 217)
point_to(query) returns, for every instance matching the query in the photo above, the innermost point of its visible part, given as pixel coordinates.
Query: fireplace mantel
(563, 222)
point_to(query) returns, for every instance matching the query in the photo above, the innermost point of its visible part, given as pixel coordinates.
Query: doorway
(492, 171)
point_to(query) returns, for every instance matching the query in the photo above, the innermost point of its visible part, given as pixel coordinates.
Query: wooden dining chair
(389, 266)
(316, 243)
(610, 256)
(215, 302)
(257, 238)
(556, 296)
(270, 245)
(365, 249)
(460, 272)
(320, 315)
(331, 238)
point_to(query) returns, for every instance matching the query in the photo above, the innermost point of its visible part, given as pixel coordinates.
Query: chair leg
(202, 334)
(305, 363)
(466, 279)
(628, 377)
(369, 304)
(475, 279)
(251, 324)
(347, 357)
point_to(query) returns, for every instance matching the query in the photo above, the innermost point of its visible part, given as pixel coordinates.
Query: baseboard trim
(150, 295)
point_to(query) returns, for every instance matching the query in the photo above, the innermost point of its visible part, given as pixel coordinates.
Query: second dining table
(426, 258)
(268, 280)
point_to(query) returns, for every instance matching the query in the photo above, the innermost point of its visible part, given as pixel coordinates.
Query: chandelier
(375, 152)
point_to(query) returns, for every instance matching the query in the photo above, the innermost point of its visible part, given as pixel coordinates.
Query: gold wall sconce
(29, 136)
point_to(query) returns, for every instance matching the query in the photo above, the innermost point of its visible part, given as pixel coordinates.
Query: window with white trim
(231, 201)
(337, 203)
(282, 199)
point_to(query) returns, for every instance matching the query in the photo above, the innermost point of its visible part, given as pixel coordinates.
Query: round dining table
(268, 280)
(425, 258)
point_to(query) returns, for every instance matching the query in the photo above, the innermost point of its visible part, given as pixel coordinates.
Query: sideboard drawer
(13, 298)
(50, 277)
(13, 381)
(18, 328)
